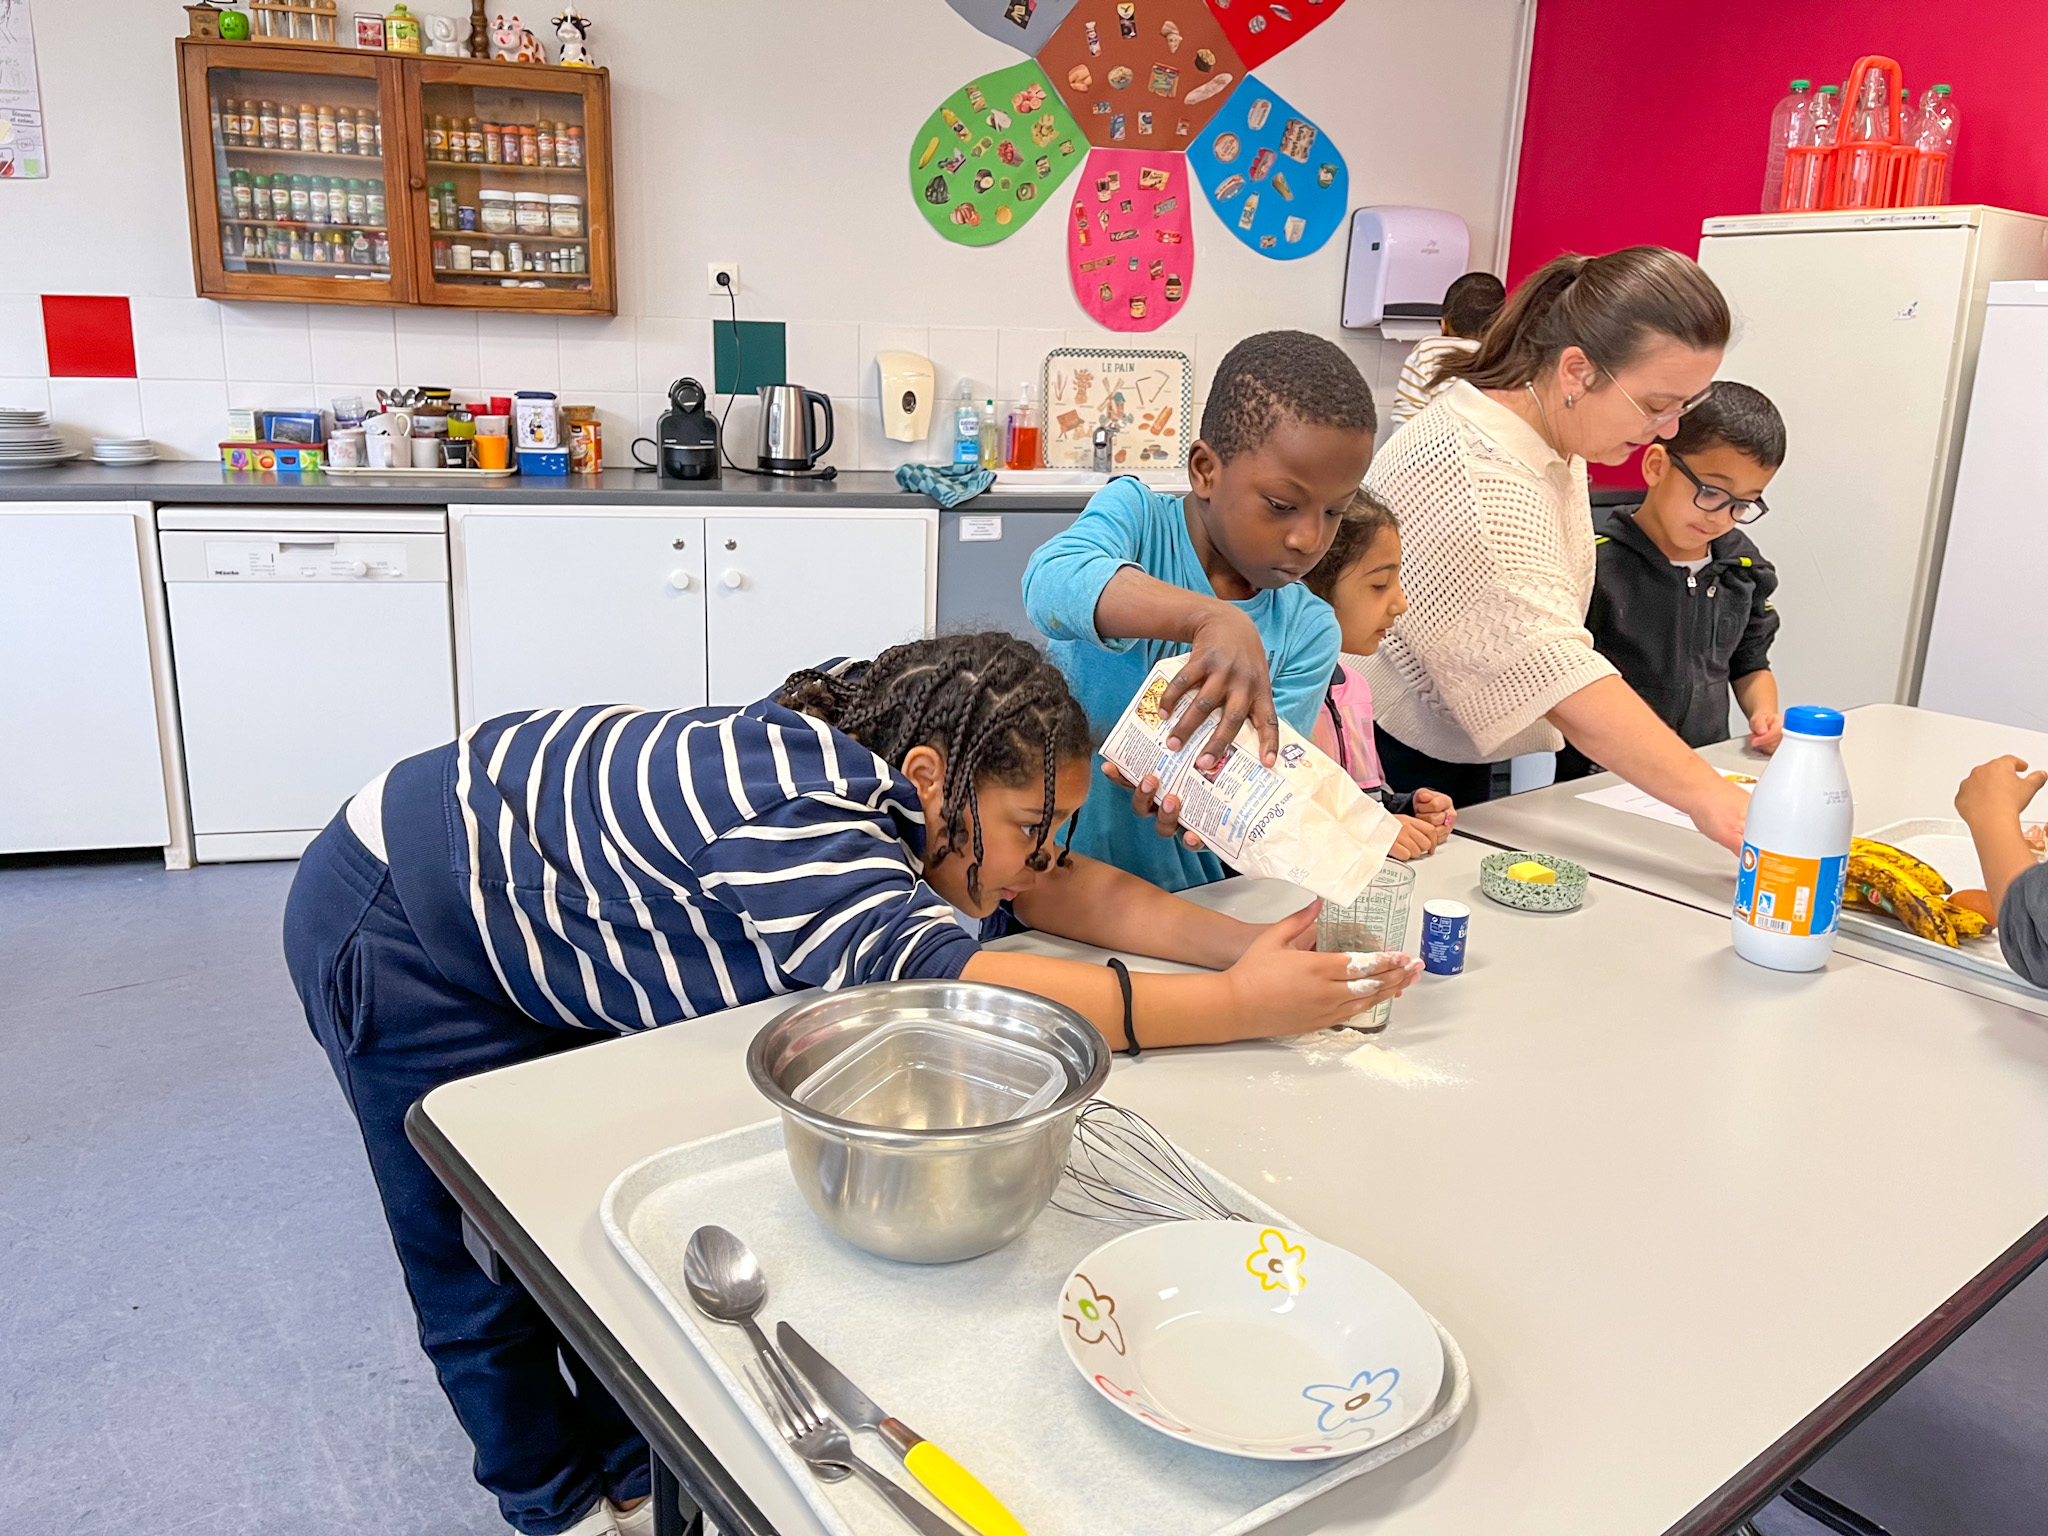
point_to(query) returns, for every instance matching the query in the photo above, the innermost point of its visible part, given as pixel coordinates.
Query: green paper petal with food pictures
(1271, 175)
(992, 155)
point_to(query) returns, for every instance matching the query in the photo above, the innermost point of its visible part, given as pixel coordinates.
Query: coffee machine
(686, 437)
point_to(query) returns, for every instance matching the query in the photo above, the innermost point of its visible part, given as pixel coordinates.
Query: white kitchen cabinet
(83, 764)
(788, 592)
(580, 608)
(573, 605)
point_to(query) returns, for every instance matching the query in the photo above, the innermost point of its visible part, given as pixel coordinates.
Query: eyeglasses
(1711, 498)
(1670, 413)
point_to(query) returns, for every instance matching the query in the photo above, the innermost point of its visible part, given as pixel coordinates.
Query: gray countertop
(208, 483)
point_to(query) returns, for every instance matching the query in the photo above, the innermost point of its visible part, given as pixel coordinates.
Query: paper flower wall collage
(1160, 95)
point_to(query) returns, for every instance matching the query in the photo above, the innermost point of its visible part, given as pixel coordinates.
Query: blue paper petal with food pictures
(1020, 23)
(1273, 177)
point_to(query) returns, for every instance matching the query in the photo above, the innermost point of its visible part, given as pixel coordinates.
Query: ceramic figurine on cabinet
(234, 26)
(572, 29)
(443, 38)
(512, 42)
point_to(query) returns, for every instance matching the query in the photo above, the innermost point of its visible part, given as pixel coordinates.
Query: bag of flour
(1303, 821)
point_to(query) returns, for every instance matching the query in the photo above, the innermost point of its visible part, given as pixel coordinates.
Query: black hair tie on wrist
(1123, 980)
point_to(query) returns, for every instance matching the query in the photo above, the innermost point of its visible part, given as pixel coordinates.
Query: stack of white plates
(123, 450)
(26, 441)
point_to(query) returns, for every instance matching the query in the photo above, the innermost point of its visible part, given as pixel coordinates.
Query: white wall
(773, 133)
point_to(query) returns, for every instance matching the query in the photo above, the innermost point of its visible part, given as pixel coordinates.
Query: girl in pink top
(1361, 578)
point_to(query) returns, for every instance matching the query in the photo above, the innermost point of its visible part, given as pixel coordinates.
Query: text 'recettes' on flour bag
(1303, 821)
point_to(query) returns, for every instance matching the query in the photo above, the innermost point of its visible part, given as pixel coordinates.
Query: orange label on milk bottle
(1782, 894)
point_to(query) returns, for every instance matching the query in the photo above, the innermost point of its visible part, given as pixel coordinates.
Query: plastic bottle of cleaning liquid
(991, 440)
(1791, 126)
(967, 428)
(1023, 447)
(1795, 848)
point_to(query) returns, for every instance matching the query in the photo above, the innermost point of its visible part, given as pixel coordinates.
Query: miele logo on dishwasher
(327, 560)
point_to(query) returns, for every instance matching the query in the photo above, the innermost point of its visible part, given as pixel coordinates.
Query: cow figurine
(572, 30)
(511, 41)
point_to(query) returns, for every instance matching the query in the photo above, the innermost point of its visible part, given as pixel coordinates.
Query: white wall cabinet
(81, 757)
(565, 605)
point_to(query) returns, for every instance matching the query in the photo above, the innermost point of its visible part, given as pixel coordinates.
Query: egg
(1532, 872)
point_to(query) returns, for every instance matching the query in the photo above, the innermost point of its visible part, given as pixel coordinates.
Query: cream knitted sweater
(1497, 557)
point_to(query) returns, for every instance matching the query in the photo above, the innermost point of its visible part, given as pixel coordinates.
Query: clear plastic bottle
(1795, 848)
(991, 437)
(1791, 126)
(1807, 165)
(1022, 450)
(967, 428)
(1934, 148)
(1870, 127)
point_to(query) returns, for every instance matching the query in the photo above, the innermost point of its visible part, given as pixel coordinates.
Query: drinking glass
(1378, 920)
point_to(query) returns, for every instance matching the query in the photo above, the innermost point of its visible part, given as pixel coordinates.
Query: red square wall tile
(88, 337)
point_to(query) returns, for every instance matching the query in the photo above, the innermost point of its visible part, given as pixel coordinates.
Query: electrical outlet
(730, 271)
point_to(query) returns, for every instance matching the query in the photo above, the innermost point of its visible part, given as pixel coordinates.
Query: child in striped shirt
(1470, 304)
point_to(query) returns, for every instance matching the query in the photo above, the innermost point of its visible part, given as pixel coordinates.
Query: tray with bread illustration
(1916, 885)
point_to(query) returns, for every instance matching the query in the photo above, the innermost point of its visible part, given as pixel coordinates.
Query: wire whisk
(1122, 1169)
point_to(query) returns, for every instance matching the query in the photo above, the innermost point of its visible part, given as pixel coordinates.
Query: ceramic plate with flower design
(1253, 1340)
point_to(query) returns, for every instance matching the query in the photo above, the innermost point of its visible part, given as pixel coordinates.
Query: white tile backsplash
(1020, 355)
(22, 354)
(619, 414)
(672, 349)
(599, 353)
(177, 338)
(516, 352)
(185, 418)
(845, 452)
(962, 352)
(267, 341)
(25, 394)
(437, 347)
(89, 408)
(270, 394)
(824, 355)
(880, 451)
(353, 343)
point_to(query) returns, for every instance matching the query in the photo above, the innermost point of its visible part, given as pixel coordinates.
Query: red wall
(1645, 118)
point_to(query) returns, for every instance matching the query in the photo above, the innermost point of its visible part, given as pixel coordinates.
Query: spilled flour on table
(1374, 1060)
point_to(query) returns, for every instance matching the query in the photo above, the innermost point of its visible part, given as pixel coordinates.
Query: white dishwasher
(312, 648)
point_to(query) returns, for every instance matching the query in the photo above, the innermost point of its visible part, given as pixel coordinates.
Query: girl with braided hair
(562, 875)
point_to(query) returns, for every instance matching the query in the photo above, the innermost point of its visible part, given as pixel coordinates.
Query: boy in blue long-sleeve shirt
(1287, 433)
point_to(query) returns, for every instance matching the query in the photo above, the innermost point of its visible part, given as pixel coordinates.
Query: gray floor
(202, 1326)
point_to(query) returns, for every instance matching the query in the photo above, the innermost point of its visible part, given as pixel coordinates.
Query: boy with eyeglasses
(1681, 599)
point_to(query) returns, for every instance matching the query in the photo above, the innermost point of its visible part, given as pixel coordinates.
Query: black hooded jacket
(1679, 639)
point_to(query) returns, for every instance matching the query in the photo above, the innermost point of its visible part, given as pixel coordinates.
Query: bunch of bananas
(1890, 880)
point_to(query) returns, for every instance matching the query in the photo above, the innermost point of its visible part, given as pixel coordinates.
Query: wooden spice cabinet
(294, 256)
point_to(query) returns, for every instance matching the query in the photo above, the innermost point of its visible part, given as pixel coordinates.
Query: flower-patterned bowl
(1251, 1340)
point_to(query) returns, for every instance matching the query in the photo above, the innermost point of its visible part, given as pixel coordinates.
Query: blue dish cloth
(948, 485)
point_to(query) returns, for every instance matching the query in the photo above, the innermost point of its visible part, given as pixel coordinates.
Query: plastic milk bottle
(1795, 848)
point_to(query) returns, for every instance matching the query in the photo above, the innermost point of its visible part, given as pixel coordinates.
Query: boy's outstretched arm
(1226, 674)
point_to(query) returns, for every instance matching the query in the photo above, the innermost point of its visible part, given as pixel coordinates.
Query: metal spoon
(724, 1279)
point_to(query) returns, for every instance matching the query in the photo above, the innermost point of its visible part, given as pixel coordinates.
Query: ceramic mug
(386, 451)
(388, 424)
(426, 453)
(347, 449)
(493, 450)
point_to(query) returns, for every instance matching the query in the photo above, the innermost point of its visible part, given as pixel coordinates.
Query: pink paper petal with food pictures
(1258, 29)
(1130, 247)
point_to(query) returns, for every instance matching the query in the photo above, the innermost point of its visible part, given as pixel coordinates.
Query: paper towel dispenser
(1401, 261)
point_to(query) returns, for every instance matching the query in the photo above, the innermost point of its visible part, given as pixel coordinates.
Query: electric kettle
(789, 443)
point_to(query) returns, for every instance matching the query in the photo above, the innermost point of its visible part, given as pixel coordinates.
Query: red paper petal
(1258, 29)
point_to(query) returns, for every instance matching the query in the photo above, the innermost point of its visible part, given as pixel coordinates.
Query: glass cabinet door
(514, 212)
(299, 164)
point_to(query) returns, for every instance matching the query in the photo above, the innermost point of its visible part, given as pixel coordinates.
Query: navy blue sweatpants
(393, 1027)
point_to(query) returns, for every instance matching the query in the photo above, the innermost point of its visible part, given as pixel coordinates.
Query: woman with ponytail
(567, 875)
(1591, 359)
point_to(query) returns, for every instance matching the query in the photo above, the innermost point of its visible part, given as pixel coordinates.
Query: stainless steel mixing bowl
(925, 1196)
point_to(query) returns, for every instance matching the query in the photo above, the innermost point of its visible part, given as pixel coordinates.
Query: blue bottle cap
(1813, 720)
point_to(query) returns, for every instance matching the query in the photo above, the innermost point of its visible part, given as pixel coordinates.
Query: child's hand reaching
(1226, 675)
(1998, 791)
(1766, 730)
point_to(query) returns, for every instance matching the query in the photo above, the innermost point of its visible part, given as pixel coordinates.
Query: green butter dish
(1562, 895)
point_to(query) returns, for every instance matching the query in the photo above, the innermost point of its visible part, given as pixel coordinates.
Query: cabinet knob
(681, 579)
(416, 182)
(733, 580)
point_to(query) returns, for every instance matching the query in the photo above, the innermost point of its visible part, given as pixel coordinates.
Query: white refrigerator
(1864, 329)
(1987, 654)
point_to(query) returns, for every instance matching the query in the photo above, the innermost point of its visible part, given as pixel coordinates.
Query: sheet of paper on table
(1626, 797)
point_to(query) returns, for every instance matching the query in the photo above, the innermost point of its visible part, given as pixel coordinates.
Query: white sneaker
(637, 1521)
(599, 1522)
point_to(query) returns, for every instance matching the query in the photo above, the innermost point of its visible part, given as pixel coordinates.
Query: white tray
(425, 474)
(1946, 844)
(966, 1353)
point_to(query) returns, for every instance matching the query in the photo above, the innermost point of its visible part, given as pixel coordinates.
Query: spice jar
(441, 255)
(544, 139)
(366, 133)
(510, 136)
(561, 143)
(287, 126)
(373, 202)
(227, 197)
(447, 201)
(251, 133)
(514, 258)
(358, 203)
(495, 211)
(266, 124)
(465, 216)
(494, 150)
(227, 124)
(459, 258)
(309, 128)
(437, 137)
(529, 146)
(337, 200)
(565, 214)
(302, 201)
(473, 141)
(575, 147)
(316, 200)
(530, 212)
(344, 132)
(326, 130)
(259, 197)
(244, 194)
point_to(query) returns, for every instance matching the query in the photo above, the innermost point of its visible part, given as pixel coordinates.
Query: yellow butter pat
(1532, 872)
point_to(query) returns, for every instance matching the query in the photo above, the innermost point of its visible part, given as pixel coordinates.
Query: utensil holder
(1377, 920)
